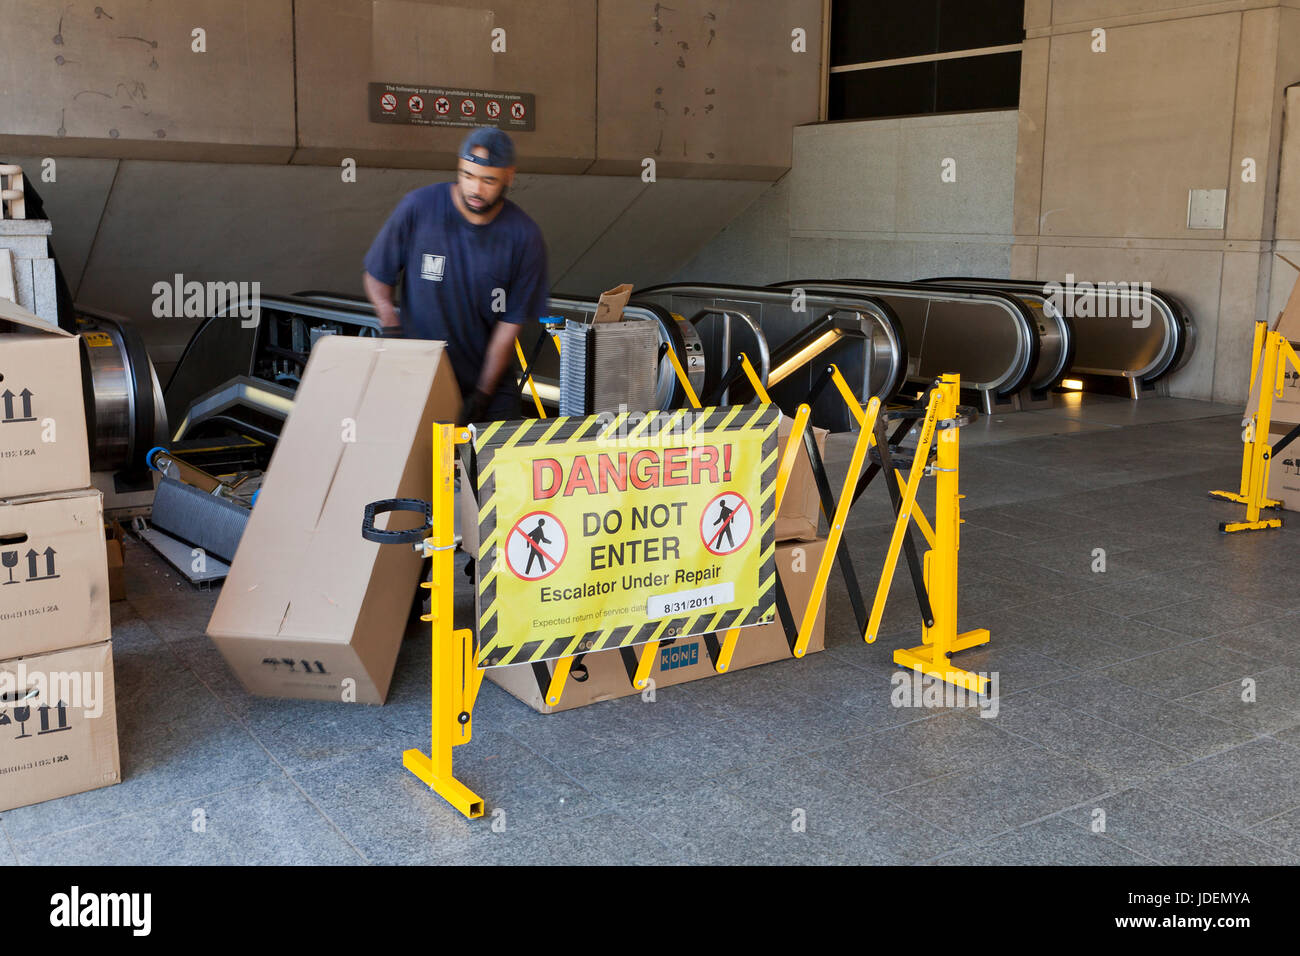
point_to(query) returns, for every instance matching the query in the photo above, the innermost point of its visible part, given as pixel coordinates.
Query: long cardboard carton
(310, 608)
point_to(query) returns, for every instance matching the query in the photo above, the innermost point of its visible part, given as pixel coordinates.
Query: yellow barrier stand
(1270, 362)
(455, 679)
(941, 640)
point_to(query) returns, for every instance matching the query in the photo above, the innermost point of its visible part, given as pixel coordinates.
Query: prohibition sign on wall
(517, 110)
(726, 523)
(388, 102)
(493, 108)
(442, 106)
(415, 104)
(536, 546)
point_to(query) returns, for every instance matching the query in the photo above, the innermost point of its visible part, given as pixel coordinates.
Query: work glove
(474, 408)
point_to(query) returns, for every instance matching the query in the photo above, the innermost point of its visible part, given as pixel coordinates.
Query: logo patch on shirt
(431, 267)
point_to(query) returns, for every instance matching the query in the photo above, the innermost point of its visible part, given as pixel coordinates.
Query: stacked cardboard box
(58, 724)
(799, 549)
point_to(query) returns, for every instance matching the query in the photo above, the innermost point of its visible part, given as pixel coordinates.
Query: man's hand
(474, 407)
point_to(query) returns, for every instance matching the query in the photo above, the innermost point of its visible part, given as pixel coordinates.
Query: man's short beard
(501, 197)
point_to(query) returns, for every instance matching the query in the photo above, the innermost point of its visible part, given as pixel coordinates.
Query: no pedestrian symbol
(389, 102)
(536, 546)
(493, 108)
(415, 104)
(442, 106)
(726, 523)
(517, 110)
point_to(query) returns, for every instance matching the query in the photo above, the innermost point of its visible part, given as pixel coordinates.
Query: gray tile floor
(1121, 733)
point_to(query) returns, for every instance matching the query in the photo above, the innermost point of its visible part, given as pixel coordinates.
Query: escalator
(989, 338)
(1122, 330)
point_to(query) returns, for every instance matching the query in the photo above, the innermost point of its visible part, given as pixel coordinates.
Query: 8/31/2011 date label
(684, 602)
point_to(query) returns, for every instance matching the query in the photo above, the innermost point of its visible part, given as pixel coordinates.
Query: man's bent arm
(499, 351)
(381, 297)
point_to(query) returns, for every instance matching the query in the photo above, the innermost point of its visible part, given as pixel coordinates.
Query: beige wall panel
(82, 79)
(1288, 198)
(979, 201)
(73, 202)
(1192, 275)
(1031, 135)
(845, 177)
(1130, 131)
(1240, 303)
(1079, 11)
(343, 45)
(702, 85)
(657, 234)
(1255, 128)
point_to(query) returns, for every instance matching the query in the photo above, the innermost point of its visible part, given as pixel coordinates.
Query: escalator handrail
(1016, 379)
(1180, 332)
(879, 311)
(1064, 326)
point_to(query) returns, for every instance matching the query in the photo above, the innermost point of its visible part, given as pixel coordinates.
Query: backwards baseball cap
(500, 148)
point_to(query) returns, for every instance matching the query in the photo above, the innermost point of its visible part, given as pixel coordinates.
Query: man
(473, 269)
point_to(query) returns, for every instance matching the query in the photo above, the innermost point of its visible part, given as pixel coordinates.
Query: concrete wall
(706, 88)
(1111, 142)
(869, 200)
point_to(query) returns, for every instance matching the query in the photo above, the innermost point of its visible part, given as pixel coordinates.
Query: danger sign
(493, 108)
(589, 541)
(389, 102)
(536, 546)
(415, 104)
(726, 523)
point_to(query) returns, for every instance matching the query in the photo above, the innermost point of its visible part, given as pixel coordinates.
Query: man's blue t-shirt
(460, 279)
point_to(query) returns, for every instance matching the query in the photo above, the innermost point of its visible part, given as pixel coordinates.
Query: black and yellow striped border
(568, 434)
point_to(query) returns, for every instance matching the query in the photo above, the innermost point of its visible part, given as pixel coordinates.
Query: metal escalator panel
(677, 334)
(125, 412)
(1121, 329)
(1056, 336)
(988, 338)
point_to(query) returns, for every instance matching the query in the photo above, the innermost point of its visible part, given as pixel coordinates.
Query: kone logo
(679, 655)
(431, 267)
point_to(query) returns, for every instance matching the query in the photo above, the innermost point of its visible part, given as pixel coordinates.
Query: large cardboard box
(801, 505)
(309, 603)
(42, 412)
(53, 572)
(1284, 471)
(605, 675)
(58, 725)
